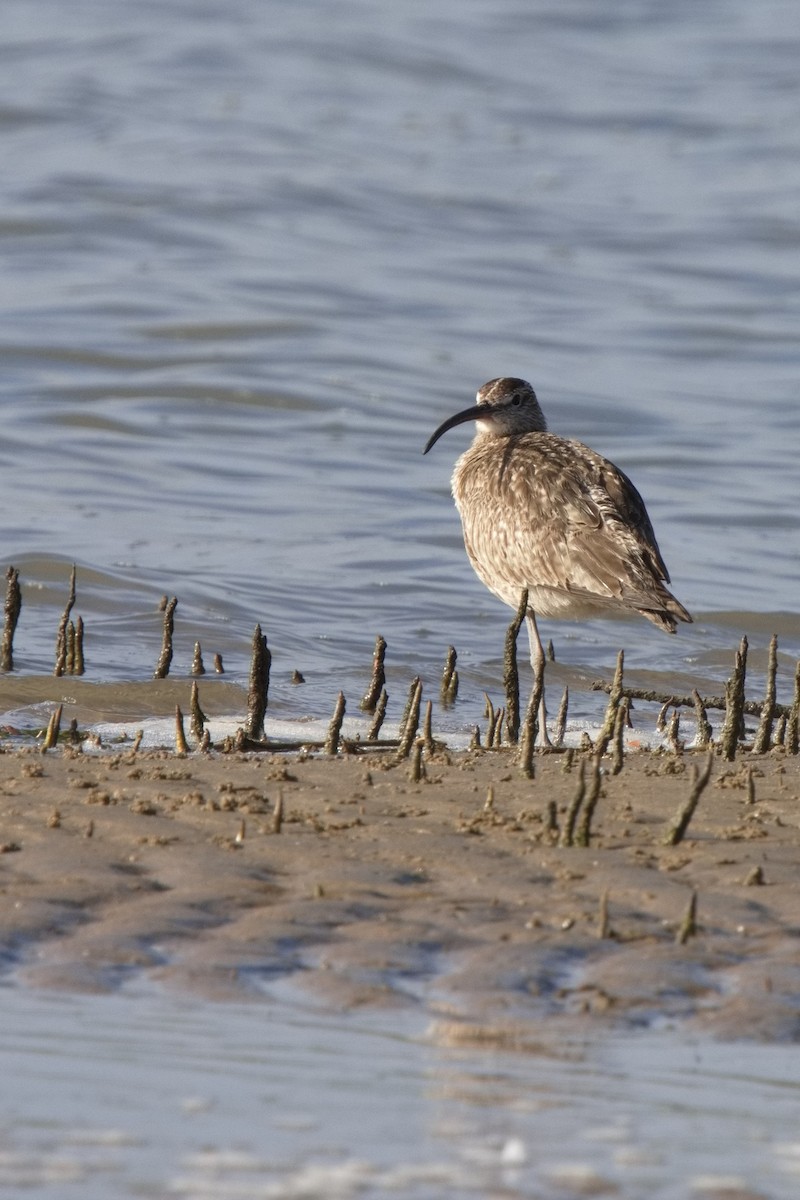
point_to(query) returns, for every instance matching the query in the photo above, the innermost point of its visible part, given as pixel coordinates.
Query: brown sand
(381, 891)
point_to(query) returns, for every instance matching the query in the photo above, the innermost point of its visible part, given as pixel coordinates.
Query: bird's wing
(563, 517)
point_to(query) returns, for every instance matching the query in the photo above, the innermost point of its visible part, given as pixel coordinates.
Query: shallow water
(253, 255)
(145, 1094)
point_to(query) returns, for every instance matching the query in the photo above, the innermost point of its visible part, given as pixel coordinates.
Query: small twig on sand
(568, 830)
(409, 730)
(69, 666)
(13, 606)
(258, 690)
(427, 728)
(416, 771)
(620, 722)
(412, 691)
(378, 680)
(197, 717)
(603, 924)
(61, 637)
(449, 687)
(688, 926)
(491, 714)
(733, 725)
(750, 784)
(78, 666)
(792, 737)
(530, 726)
(614, 696)
(53, 729)
(165, 657)
(335, 727)
(584, 835)
(761, 742)
(680, 824)
(673, 732)
(181, 746)
(702, 722)
(560, 727)
(377, 720)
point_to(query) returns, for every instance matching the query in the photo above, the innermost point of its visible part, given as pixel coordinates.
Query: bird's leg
(537, 662)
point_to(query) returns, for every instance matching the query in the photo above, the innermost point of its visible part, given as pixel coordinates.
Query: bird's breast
(525, 479)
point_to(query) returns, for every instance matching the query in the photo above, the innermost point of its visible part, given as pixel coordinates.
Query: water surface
(252, 255)
(145, 1094)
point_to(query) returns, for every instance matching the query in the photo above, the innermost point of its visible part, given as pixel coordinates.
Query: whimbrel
(548, 514)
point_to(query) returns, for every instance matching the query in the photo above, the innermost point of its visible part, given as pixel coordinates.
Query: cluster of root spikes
(507, 725)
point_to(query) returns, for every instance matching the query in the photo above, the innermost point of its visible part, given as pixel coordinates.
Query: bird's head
(503, 407)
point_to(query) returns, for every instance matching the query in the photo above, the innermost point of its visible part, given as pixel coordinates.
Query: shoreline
(450, 893)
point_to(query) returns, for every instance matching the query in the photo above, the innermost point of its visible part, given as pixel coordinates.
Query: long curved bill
(473, 413)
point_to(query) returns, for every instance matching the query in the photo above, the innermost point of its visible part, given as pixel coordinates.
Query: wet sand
(450, 893)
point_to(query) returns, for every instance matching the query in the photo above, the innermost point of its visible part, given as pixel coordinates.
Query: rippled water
(141, 1094)
(253, 254)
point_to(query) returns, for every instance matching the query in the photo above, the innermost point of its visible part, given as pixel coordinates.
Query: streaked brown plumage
(548, 514)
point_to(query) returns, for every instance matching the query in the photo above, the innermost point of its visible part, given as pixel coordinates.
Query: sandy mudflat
(381, 891)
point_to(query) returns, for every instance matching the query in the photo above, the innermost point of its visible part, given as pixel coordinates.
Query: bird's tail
(667, 618)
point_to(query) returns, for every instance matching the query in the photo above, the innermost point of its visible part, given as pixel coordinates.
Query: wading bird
(548, 514)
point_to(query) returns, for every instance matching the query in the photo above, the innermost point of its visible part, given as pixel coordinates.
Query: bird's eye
(516, 401)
